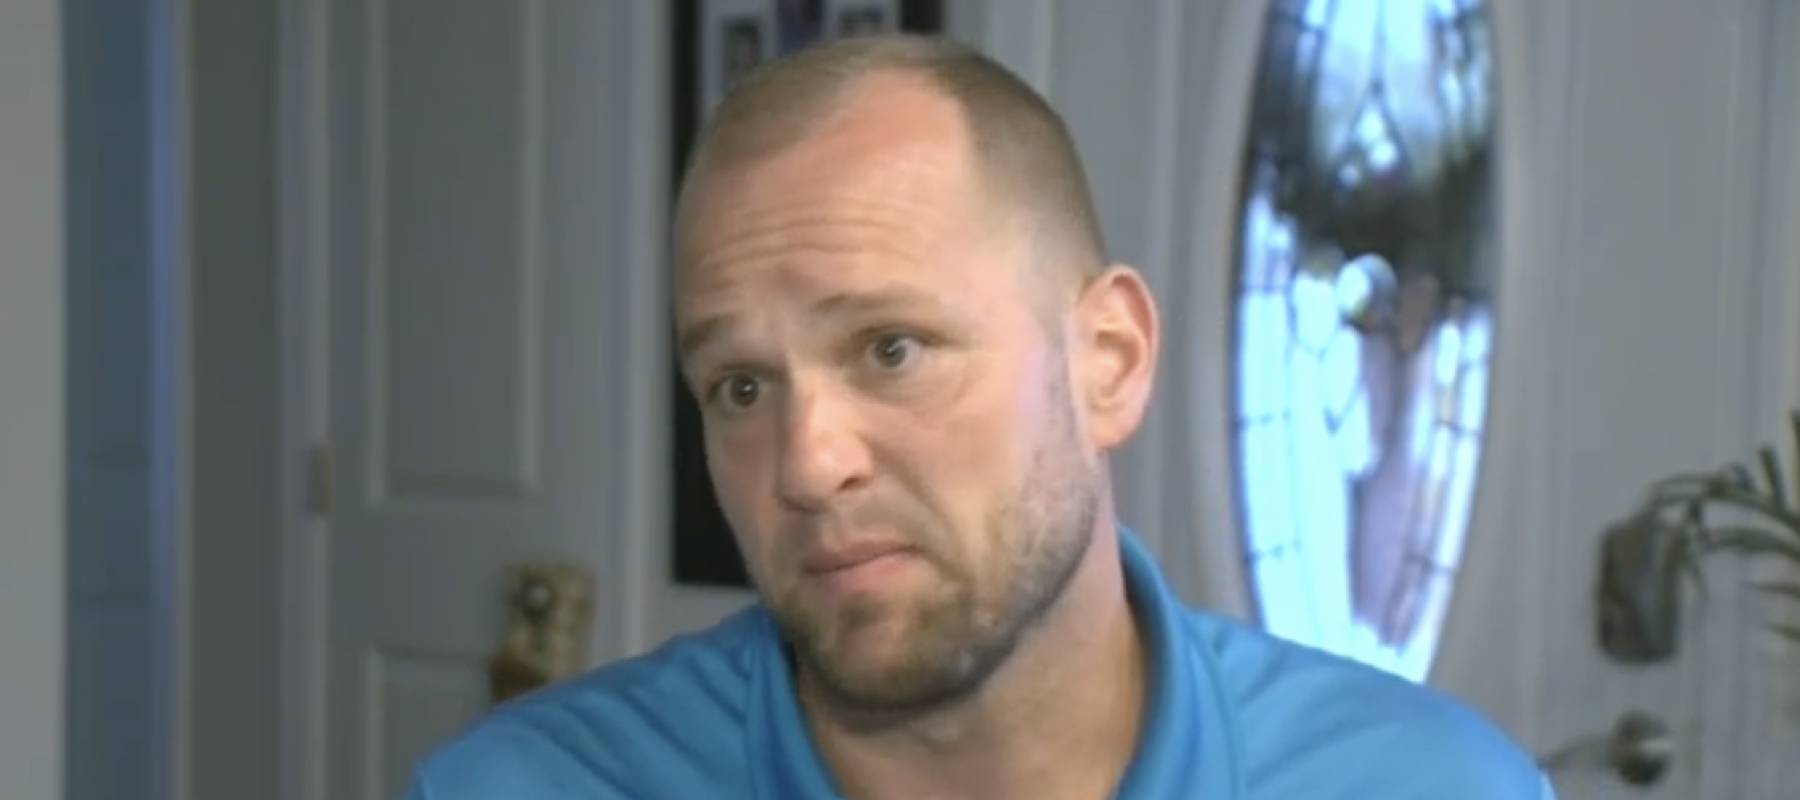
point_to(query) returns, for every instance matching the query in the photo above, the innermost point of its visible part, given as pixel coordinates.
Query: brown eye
(894, 351)
(739, 392)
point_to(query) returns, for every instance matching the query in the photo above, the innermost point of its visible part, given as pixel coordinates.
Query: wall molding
(302, 150)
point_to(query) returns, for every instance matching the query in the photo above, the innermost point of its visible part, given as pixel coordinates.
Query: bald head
(1027, 164)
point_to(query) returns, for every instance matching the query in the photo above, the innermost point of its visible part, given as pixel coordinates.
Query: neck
(1058, 718)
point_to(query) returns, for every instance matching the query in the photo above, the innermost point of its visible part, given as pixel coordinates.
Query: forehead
(891, 175)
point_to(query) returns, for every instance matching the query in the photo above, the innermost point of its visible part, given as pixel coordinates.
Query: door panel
(479, 267)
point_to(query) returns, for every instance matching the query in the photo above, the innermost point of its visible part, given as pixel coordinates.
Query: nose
(823, 453)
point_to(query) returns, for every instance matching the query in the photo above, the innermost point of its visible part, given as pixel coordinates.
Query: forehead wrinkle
(796, 240)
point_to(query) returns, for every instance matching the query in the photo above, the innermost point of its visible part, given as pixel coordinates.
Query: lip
(838, 558)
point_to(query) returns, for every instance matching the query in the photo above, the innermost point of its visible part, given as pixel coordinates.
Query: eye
(895, 351)
(737, 392)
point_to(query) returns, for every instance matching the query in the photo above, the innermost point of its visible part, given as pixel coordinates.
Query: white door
(1635, 341)
(481, 187)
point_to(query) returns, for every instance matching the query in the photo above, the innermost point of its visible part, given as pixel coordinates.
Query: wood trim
(1532, 57)
(647, 525)
(33, 445)
(178, 450)
(1219, 547)
(171, 412)
(302, 219)
(1156, 482)
(1784, 154)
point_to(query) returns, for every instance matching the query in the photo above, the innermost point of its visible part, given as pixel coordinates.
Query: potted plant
(1754, 512)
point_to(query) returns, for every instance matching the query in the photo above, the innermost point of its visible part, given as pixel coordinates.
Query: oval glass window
(1363, 319)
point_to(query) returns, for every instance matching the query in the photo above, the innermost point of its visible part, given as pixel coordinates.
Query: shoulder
(665, 721)
(1304, 720)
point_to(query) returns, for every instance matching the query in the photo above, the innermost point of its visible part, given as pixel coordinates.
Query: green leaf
(1771, 465)
(1740, 477)
(1753, 541)
(1779, 588)
(1687, 558)
(1689, 482)
(1755, 503)
(1794, 422)
(1695, 514)
(1788, 632)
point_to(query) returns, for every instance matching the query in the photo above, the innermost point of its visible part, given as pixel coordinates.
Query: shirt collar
(1182, 749)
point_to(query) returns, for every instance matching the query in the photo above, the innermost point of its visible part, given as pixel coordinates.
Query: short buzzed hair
(1021, 144)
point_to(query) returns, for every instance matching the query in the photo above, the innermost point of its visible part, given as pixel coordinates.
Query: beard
(946, 641)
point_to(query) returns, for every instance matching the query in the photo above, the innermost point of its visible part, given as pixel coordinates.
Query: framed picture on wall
(716, 43)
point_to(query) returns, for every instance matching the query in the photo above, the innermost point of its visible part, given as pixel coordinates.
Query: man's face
(887, 406)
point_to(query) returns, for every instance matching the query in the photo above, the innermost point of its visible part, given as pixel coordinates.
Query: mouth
(847, 556)
(858, 566)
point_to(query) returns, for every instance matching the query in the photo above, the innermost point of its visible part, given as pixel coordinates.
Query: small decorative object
(549, 610)
(1687, 517)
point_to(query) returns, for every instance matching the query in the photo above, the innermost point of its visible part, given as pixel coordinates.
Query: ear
(1115, 351)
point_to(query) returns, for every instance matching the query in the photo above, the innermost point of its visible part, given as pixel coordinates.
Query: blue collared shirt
(1231, 713)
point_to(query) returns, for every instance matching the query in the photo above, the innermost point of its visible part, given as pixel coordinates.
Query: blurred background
(336, 399)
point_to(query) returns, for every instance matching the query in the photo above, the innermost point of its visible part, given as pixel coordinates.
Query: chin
(895, 681)
(900, 665)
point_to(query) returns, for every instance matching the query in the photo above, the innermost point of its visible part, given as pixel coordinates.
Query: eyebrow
(702, 333)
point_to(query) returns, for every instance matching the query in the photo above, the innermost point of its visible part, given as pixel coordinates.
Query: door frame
(172, 427)
(303, 283)
(1784, 276)
(34, 318)
(1779, 331)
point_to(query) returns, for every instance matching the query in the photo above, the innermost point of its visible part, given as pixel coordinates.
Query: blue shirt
(1231, 713)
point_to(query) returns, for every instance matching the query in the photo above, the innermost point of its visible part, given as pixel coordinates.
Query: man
(912, 361)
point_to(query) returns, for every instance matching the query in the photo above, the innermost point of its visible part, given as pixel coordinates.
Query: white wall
(1775, 714)
(31, 401)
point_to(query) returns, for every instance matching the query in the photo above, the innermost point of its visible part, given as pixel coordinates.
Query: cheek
(740, 479)
(966, 458)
